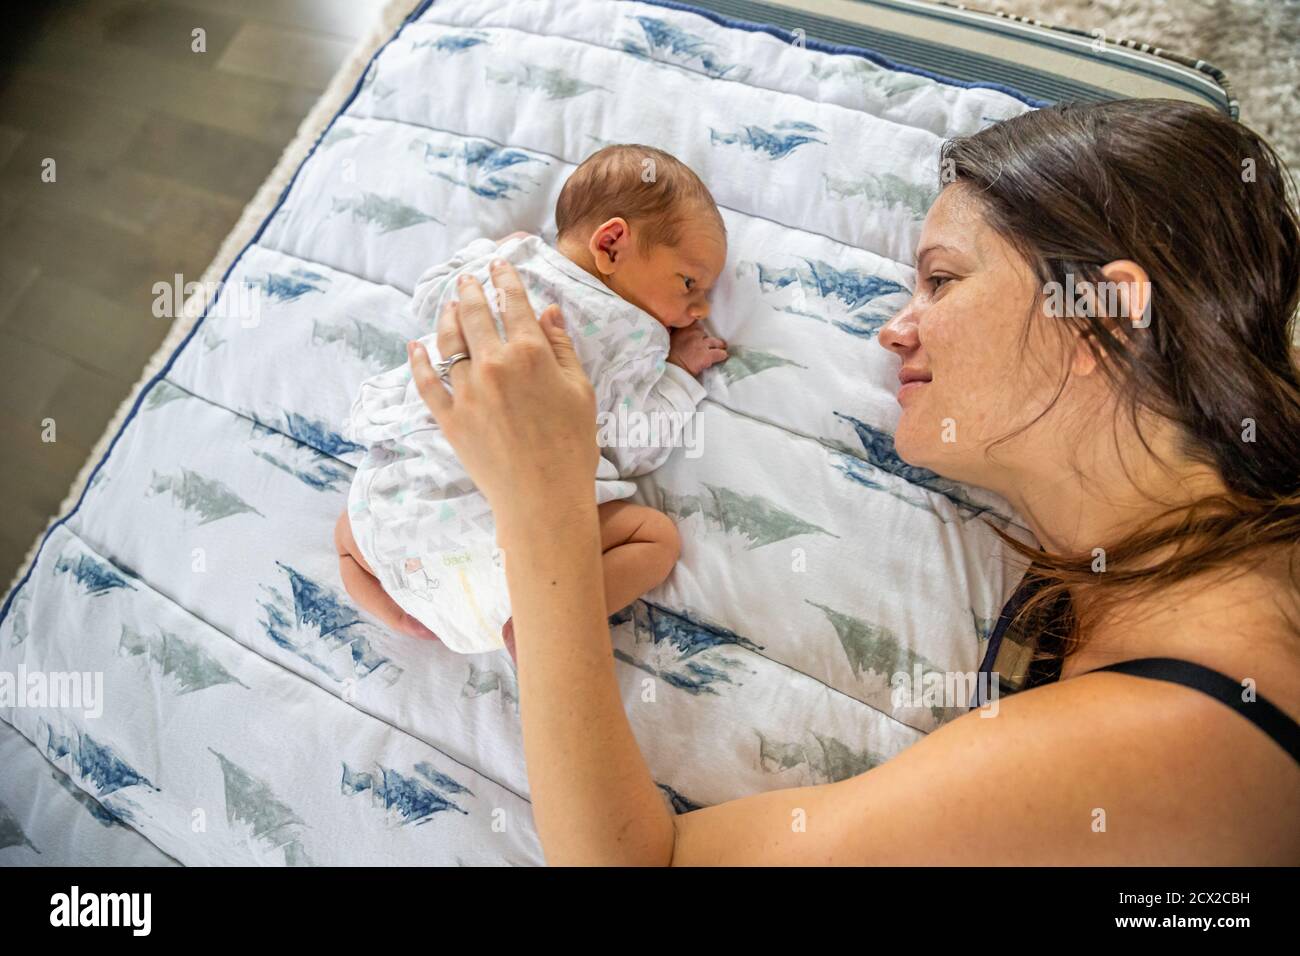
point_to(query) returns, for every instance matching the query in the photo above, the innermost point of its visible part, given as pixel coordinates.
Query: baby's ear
(608, 244)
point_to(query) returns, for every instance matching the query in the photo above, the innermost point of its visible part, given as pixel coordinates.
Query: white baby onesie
(419, 521)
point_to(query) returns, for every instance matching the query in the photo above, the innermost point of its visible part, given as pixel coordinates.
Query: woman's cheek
(944, 417)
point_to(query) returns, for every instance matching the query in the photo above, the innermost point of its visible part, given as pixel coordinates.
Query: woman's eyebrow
(933, 247)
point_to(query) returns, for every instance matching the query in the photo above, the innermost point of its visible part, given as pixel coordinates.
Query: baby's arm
(664, 397)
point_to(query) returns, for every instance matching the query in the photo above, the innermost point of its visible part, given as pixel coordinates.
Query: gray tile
(16, 277)
(201, 156)
(167, 31)
(88, 328)
(158, 149)
(290, 56)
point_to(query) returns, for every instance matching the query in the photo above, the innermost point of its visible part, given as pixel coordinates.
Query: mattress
(1044, 61)
(197, 688)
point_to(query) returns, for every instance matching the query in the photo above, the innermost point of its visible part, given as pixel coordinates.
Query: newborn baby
(639, 245)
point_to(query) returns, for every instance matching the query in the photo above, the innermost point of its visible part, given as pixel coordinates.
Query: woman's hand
(521, 414)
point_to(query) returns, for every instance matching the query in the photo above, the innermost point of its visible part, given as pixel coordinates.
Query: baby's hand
(513, 235)
(694, 349)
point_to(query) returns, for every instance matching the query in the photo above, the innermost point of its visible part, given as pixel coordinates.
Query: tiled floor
(156, 150)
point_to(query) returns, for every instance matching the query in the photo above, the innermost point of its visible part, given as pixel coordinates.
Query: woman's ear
(1129, 290)
(1122, 301)
(609, 244)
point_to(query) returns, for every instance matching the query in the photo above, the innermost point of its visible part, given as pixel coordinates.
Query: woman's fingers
(427, 382)
(512, 302)
(451, 341)
(475, 319)
(552, 323)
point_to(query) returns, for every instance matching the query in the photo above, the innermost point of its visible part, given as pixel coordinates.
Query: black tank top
(1017, 669)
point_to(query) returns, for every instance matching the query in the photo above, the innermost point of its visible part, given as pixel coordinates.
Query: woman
(1146, 423)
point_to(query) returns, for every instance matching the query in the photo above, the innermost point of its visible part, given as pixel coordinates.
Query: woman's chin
(911, 443)
(922, 446)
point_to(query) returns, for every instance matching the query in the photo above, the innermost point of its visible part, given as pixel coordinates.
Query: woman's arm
(1103, 769)
(594, 801)
(521, 416)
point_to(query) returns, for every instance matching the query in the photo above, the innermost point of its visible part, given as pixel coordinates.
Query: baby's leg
(640, 547)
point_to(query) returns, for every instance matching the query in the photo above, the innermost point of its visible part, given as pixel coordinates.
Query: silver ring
(443, 368)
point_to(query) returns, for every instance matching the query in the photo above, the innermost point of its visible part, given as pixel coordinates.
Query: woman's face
(965, 379)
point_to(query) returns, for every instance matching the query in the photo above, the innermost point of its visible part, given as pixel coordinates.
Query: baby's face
(672, 283)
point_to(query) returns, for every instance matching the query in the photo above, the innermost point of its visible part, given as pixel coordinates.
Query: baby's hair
(653, 190)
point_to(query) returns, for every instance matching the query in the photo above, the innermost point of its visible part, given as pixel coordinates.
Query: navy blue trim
(162, 373)
(822, 46)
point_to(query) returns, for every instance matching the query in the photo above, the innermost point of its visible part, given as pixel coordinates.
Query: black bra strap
(1260, 712)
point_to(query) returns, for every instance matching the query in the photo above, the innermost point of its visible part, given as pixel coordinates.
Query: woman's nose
(899, 333)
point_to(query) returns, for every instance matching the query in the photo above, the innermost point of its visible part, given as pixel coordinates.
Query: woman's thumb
(553, 325)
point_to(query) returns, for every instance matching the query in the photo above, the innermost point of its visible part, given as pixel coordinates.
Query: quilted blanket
(181, 654)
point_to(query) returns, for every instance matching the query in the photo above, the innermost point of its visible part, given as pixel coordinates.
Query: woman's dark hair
(1207, 208)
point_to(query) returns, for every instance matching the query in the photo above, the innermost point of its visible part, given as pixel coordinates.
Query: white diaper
(419, 521)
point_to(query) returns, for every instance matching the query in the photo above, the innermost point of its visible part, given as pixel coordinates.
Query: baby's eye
(690, 283)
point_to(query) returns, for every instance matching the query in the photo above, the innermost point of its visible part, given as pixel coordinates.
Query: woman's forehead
(954, 222)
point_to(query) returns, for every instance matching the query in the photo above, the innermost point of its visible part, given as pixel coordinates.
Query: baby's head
(642, 222)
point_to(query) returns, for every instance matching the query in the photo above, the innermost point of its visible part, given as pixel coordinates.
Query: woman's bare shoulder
(1101, 769)
(1107, 768)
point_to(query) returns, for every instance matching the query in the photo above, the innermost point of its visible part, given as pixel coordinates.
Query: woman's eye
(937, 281)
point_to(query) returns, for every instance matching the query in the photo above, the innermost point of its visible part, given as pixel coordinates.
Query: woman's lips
(908, 389)
(909, 381)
